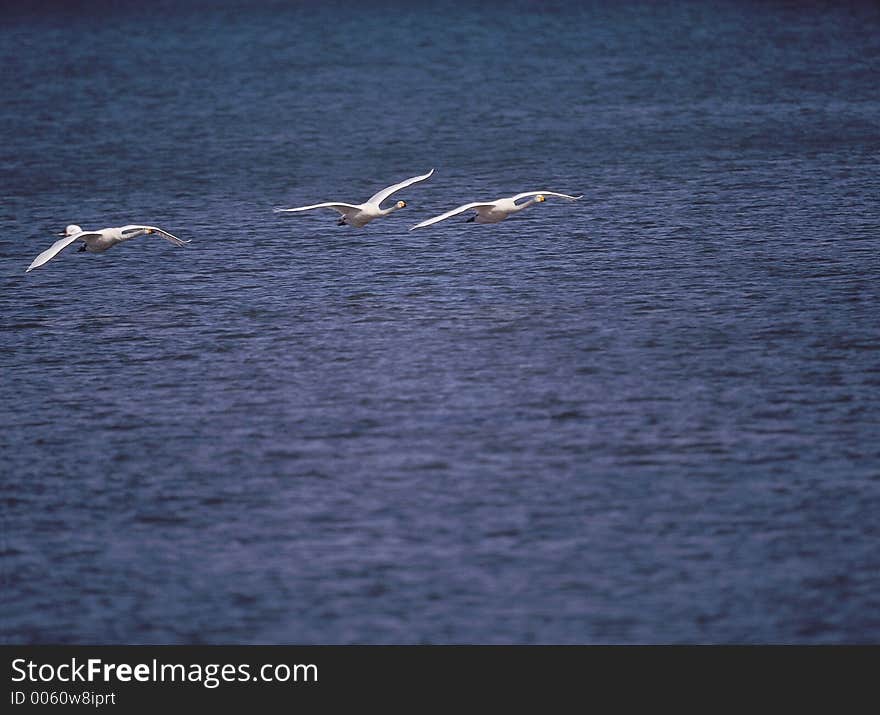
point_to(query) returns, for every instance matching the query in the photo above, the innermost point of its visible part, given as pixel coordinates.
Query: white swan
(498, 210)
(359, 215)
(98, 241)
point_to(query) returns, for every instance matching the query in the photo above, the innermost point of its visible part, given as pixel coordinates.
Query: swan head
(70, 230)
(401, 204)
(539, 198)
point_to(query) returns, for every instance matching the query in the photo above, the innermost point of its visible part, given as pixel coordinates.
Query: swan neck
(526, 204)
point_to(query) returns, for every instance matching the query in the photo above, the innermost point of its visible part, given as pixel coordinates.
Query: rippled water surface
(652, 415)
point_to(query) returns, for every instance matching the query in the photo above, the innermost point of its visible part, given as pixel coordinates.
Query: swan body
(498, 210)
(359, 215)
(99, 241)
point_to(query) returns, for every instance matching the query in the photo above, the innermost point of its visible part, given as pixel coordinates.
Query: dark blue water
(652, 415)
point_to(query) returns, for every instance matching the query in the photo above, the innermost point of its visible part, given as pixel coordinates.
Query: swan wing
(164, 234)
(454, 212)
(56, 248)
(336, 206)
(385, 193)
(527, 194)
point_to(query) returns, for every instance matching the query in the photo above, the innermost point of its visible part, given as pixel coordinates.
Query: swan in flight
(98, 241)
(498, 210)
(359, 215)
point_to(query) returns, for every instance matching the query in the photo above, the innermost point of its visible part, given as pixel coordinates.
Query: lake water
(649, 416)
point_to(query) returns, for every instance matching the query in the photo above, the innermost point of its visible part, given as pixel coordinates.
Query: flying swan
(498, 210)
(359, 215)
(99, 241)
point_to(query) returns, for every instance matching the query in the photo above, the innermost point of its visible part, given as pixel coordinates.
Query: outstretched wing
(56, 248)
(341, 208)
(164, 234)
(454, 212)
(385, 193)
(527, 194)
